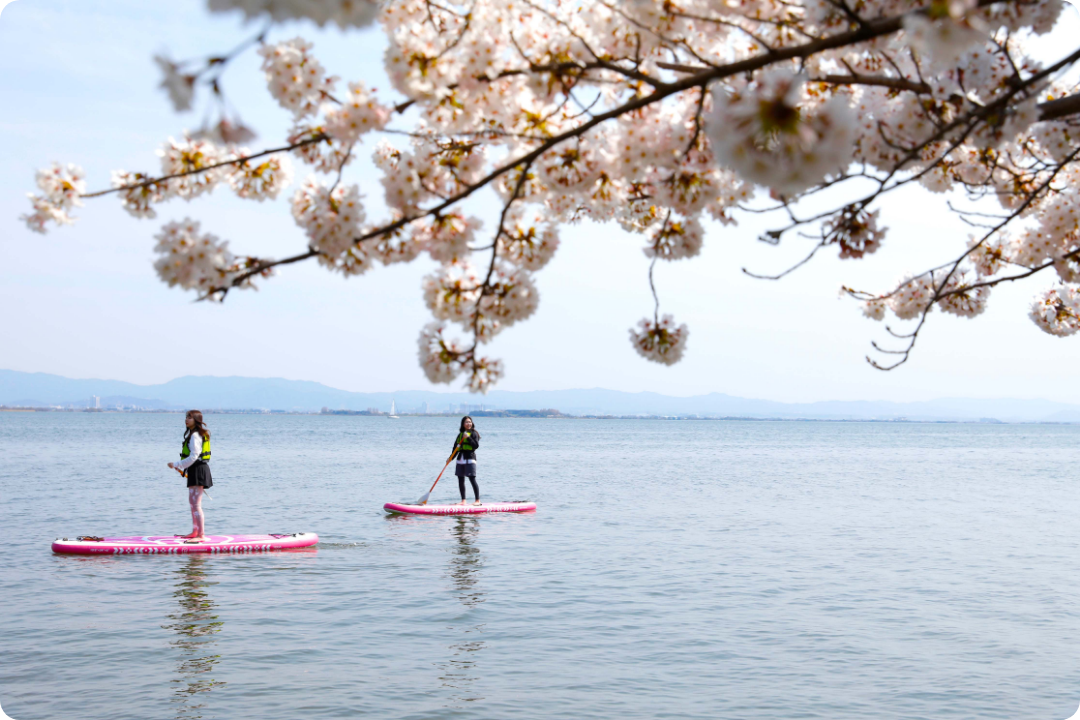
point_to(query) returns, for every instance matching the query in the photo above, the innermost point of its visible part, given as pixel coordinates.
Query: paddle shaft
(452, 456)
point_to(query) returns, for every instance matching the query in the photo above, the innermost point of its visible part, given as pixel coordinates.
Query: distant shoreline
(534, 415)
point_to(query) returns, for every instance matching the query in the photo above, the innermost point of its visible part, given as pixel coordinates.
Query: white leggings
(195, 495)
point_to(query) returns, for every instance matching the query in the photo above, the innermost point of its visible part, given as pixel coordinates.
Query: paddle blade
(423, 500)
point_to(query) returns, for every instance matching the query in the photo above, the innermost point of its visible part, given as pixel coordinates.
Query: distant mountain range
(240, 393)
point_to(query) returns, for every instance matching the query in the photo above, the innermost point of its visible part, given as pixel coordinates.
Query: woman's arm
(195, 446)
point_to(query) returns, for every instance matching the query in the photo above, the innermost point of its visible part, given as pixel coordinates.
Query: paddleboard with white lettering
(171, 545)
(470, 509)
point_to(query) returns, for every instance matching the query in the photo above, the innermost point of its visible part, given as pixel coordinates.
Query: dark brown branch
(879, 80)
(235, 161)
(258, 270)
(1059, 108)
(869, 31)
(677, 67)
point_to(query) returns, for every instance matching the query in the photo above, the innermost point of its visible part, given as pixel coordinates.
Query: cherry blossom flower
(485, 373)
(602, 111)
(180, 86)
(139, 201)
(912, 296)
(988, 256)
(325, 153)
(331, 219)
(948, 32)
(61, 187)
(44, 213)
(527, 241)
(452, 291)
(1055, 311)
(395, 247)
(874, 309)
(511, 296)
(357, 114)
(676, 239)
(660, 342)
(430, 169)
(963, 300)
(261, 178)
(446, 237)
(195, 261)
(296, 79)
(438, 355)
(194, 160)
(770, 136)
(855, 231)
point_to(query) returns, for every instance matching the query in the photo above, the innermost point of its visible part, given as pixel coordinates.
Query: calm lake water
(674, 569)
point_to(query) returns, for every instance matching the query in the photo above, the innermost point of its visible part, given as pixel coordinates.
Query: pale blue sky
(78, 86)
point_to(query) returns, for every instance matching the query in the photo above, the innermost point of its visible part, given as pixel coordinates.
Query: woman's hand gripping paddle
(423, 500)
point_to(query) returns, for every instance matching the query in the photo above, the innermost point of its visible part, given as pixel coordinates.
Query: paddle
(423, 500)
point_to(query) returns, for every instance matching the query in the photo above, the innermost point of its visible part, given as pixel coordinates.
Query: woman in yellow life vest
(195, 466)
(469, 440)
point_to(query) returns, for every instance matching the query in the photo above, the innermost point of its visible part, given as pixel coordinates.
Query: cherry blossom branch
(870, 31)
(615, 71)
(939, 288)
(264, 266)
(920, 88)
(970, 120)
(656, 298)
(224, 163)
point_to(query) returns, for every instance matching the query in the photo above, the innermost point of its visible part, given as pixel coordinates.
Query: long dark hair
(461, 428)
(199, 426)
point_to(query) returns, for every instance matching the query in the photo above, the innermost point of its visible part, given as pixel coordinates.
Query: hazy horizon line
(440, 391)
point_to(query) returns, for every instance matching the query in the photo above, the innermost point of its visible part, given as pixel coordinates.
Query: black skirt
(198, 475)
(465, 469)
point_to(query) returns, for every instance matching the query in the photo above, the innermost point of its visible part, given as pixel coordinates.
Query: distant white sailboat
(393, 410)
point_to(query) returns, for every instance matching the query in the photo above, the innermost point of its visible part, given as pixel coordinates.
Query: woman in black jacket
(469, 440)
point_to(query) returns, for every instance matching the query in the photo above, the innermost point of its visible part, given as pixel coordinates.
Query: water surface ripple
(688, 569)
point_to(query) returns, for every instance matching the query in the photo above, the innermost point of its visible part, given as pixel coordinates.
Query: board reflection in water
(196, 625)
(459, 673)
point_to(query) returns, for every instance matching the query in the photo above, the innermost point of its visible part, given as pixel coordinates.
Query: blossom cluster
(191, 167)
(581, 111)
(1057, 311)
(443, 360)
(197, 261)
(296, 79)
(660, 341)
(180, 86)
(331, 218)
(60, 187)
(769, 133)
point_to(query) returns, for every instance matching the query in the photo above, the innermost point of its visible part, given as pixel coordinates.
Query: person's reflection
(465, 565)
(196, 625)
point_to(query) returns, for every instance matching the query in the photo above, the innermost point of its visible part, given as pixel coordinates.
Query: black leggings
(461, 486)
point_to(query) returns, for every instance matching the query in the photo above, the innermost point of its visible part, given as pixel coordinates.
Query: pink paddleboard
(157, 544)
(459, 509)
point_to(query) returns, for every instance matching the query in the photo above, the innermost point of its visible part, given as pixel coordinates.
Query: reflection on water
(459, 672)
(466, 561)
(196, 625)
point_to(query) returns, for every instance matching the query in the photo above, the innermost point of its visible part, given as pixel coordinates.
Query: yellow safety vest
(204, 455)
